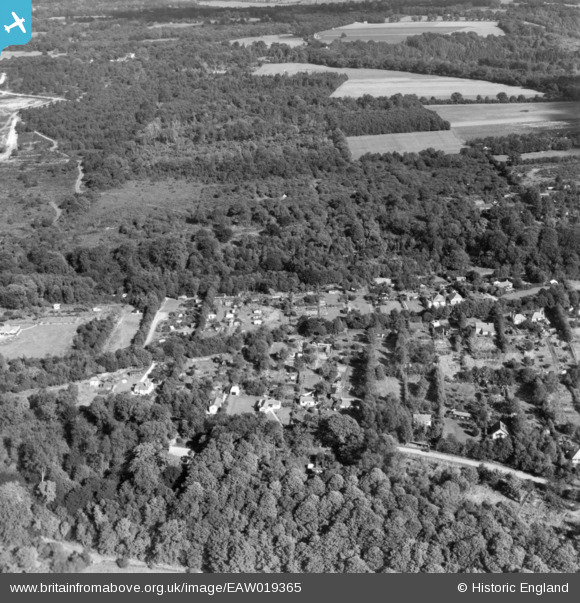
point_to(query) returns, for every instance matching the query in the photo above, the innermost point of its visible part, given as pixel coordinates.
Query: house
(518, 319)
(498, 431)
(485, 329)
(383, 281)
(459, 414)
(539, 316)
(143, 388)
(97, 309)
(257, 321)
(422, 420)
(438, 301)
(8, 331)
(269, 404)
(235, 390)
(455, 299)
(307, 401)
(56, 306)
(576, 458)
(177, 448)
(505, 286)
(439, 327)
(94, 382)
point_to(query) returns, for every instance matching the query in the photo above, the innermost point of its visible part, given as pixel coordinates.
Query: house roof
(499, 426)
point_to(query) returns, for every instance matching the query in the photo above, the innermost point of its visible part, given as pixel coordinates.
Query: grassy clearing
(382, 82)
(414, 142)
(394, 33)
(39, 340)
(124, 331)
(543, 155)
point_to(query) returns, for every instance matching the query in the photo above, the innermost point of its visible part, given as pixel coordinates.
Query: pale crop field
(382, 82)
(480, 120)
(287, 39)
(445, 140)
(394, 33)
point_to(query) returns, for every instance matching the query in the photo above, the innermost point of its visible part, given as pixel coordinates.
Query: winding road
(460, 460)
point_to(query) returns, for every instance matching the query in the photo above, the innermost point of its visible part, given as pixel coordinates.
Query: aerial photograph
(290, 287)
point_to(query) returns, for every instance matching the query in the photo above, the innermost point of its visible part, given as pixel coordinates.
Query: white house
(438, 301)
(498, 431)
(178, 449)
(539, 316)
(576, 458)
(143, 388)
(268, 404)
(307, 402)
(235, 390)
(422, 420)
(455, 299)
(505, 286)
(518, 319)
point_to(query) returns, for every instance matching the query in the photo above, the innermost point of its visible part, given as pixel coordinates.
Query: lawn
(394, 33)
(382, 82)
(238, 405)
(445, 140)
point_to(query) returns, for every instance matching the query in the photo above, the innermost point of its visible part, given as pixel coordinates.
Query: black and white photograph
(290, 287)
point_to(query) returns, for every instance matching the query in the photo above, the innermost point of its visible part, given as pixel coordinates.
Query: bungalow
(459, 414)
(422, 420)
(498, 431)
(8, 331)
(486, 329)
(177, 448)
(455, 299)
(307, 402)
(143, 388)
(269, 404)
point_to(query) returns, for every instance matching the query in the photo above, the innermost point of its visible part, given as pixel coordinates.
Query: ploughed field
(382, 82)
(444, 140)
(394, 33)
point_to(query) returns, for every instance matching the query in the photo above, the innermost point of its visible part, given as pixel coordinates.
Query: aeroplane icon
(18, 22)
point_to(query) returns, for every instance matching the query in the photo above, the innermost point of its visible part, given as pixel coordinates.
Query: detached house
(455, 299)
(498, 431)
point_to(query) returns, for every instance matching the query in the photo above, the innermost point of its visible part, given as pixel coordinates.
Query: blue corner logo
(15, 22)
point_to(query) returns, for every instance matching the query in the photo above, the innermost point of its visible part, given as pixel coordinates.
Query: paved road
(460, 460)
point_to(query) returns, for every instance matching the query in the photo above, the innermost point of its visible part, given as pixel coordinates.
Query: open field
(38, 340)
(445, 140)
(180, 25)
(124, 331)
(479, 120)
(287, 39)
(394, 33)
(542, 155)
(382, 82)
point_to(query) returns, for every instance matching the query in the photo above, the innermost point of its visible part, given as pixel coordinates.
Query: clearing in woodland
(382, 82)
(394, 33)
(445, 140)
